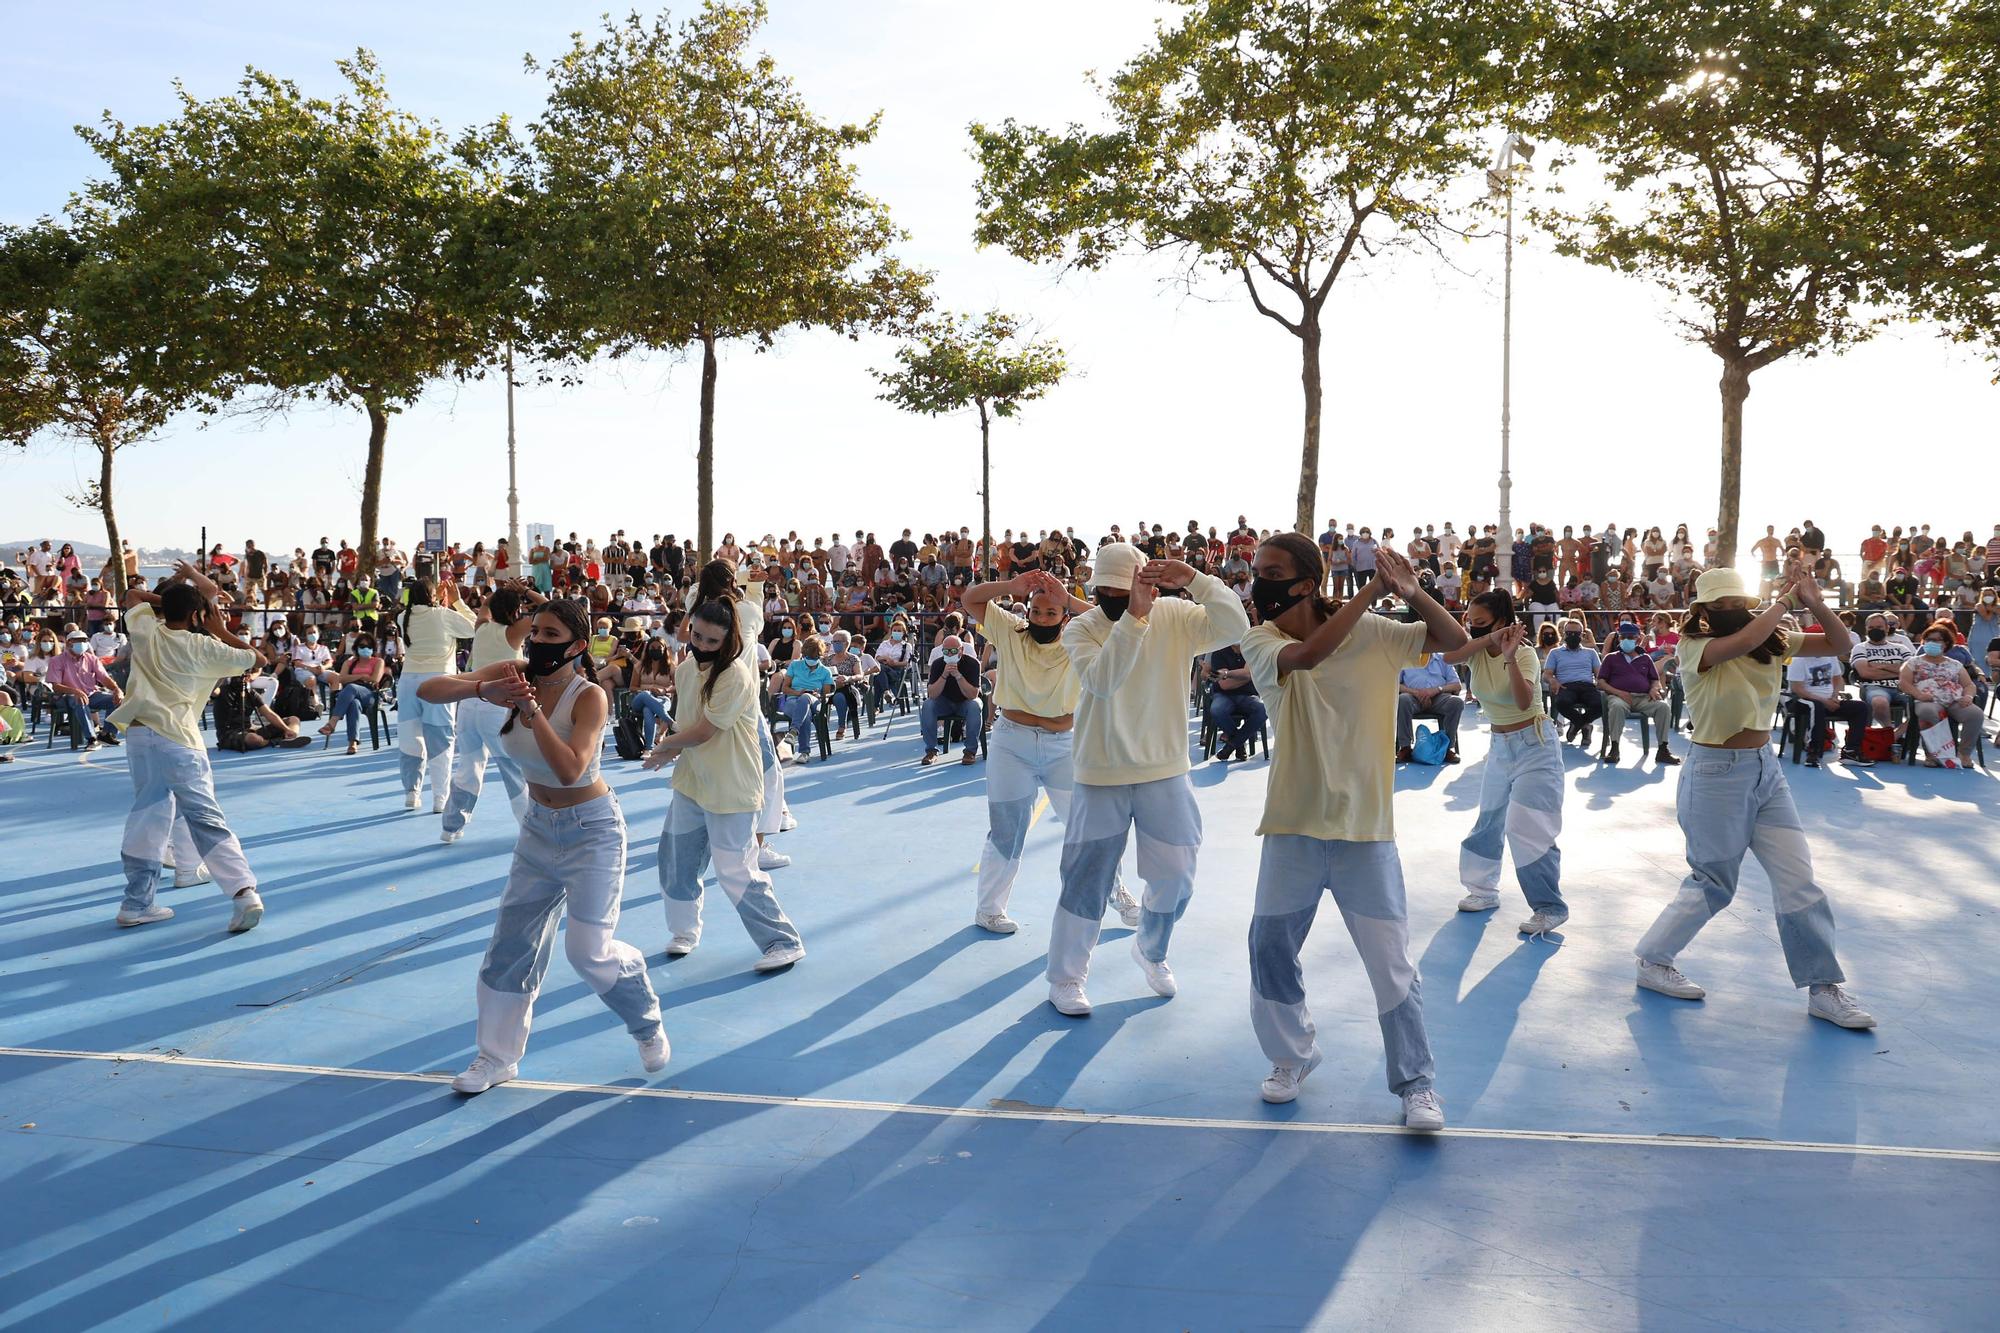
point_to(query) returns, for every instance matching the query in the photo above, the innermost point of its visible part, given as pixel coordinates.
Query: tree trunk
(371, 491)
(985, 495)
(1735, 388)
(704, 467)
(1309, 447)
(116, 564)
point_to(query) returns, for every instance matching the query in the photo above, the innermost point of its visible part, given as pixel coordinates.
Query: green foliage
(963, 361)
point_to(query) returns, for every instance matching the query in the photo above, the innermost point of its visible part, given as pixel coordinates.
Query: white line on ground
(1050, 1115)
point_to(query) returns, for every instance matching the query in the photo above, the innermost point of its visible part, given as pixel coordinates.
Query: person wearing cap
(1631, 684)
(1733, 797)
(1035, 692)
(83, 687)
(1133, 653)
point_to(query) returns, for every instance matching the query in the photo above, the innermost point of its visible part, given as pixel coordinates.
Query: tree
(309, 244)
(73, 364)
(1757, 156)
(982, 363)
(689, 197)
(1282, 142)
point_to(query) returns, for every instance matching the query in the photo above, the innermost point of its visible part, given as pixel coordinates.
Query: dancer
(181, 644)
(718, 788)
(1521, 793)
(503, 626)
(570, 853)
(430, 637)
(1733, 797)
(1328, 810)
(1133, 652)
(1035, 692)
(718, 581)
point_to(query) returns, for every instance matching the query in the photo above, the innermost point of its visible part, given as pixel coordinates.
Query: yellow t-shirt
(1739, 695)
(433, 644)
(1034, 677)
(1495, 691)
(173, 671)
(1333, 772)
(724, 775)
(489, 645)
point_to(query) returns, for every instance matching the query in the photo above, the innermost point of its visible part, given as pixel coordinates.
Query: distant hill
(84, 550)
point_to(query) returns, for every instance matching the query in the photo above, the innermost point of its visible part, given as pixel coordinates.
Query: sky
(1182, 404)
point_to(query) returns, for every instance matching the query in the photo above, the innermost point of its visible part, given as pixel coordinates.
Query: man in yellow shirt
(1035, 693)
(1328, 809)
(181, 645)
(1133, 654)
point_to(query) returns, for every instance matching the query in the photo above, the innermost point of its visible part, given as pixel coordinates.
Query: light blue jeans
(652, 711)
(572, 858)
(1167, 822)
(1366, 880)
(170, 780)
(476, 741)
(1731, 802)
(1520, 806)
(424, 735)
(692, 839)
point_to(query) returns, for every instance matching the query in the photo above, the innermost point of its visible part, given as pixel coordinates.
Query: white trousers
(691, 839)
(173, 785)
(476, 741)
(1020, 761)
(1167, 822)
(424, 733)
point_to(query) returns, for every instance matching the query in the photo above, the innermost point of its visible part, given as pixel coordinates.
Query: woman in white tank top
(571, 850)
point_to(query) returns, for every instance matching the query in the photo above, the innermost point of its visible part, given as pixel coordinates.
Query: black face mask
(1572, 640)
(545, 658)
(1273, 597)
(1877, 634)
(1044, 633)
(704, 655)
(1724, 621)
(1113, 604)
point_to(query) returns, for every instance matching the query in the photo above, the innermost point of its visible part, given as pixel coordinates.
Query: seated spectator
(1630, 682)
(1544, 600)
(358, 686)
(893, 657)
(1432, 690)
(652, 685)
(799, 686)
(243, 721)
(1942, 688)
(852, 673)
(80, 684)
(1234, 707)
(1877, 664)
(1570, 672)
(952, 692)
(1815, 685)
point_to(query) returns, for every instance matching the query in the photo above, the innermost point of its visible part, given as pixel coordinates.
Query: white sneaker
(788, 823)
(1127, 905)
(437, 806)
(248, 911)
(167, 861)
(1838, 1007)
(680, 946)
(1667, 980)
(156, 912)
(1068, 998)
(1423, 1111)
(1158, 975)
(780, 955)
(451, 835)
(189, 878)
(1479, 902)
(770, 858)
(484, 1072)
(1544, 921)
(654, 1054)
(1283, 1084)
(411, 800)
(999, 923)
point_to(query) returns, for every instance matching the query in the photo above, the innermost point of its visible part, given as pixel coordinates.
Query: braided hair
(574, 620)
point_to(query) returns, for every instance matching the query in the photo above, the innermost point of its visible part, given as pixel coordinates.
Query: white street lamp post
(513, 496)
(1500, 182)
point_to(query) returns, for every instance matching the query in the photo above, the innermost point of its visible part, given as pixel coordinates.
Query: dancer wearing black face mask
(1035, 693)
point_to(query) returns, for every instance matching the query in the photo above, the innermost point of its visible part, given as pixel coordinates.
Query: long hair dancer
(717, 582)
(718, 788)
(1733, 797)
(1035, 693)
(1521, 792)
(504, 623)
(1328, 810)
(570, 852)
(1133, 652)
(427, 730)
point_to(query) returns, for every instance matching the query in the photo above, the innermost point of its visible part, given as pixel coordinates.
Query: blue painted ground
(196, 1196)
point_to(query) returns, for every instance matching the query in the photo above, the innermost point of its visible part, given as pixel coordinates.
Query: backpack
(626, 736)
(1428, 747)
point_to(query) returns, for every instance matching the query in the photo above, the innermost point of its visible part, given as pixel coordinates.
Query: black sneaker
(1854, 759)
(1586, 736)
(1611, 756)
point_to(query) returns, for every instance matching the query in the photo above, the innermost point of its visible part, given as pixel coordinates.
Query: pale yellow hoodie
(1131, 723)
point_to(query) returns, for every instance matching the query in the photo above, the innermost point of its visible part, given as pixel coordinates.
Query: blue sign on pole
(434, 534)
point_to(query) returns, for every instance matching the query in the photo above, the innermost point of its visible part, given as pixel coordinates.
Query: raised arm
(1319, 645)
(1443, 632)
